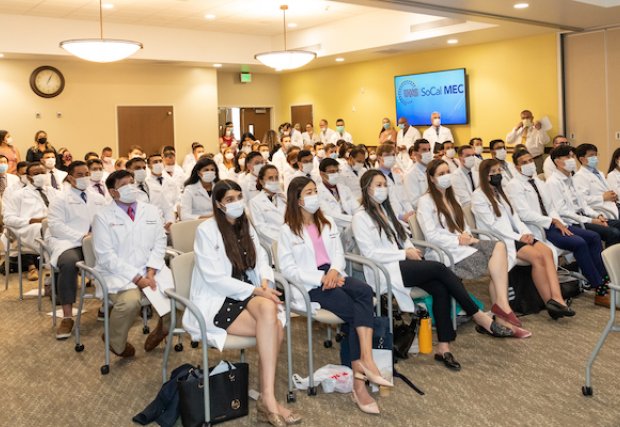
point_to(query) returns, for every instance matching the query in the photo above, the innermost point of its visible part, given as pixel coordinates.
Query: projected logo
(407, 90)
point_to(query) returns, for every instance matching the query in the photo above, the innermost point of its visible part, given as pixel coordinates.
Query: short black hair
(518, 154)
(49, 150)
(21, 164)
(327, 162)
(302, 154)
(90, 153)
(32, 165)
(418, 142)
(357, 151)
(148, 159)
(561, 151)
(582, 149)
(91, 162)
(463, 148)
(116, 176)
(493, 143)
(106, 149)
(252, 155)
(196, 145)
(316, 144)
(168, 148)
(133, 161)
(474, 139)
(73, 165)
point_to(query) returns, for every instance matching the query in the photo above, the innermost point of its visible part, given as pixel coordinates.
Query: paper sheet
(159, 301)
(545, 124)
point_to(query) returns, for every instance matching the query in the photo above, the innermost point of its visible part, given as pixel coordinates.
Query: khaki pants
(123, 315)
(539, 161)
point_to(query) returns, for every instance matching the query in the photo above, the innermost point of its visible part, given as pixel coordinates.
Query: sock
(601, 290)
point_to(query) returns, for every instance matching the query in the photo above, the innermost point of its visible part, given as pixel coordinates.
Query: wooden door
(256, 120)
(150, 127)
(301, 114)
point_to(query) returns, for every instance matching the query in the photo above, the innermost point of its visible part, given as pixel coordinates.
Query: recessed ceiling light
(1, 55)
(339, 59)
(453, 41)
(217, 65)
(107, 6)
(210, 16)
(521, 5)
(292, 25)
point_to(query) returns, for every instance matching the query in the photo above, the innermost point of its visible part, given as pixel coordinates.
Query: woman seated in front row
(232, 284)
(382, 238)
(196, 197)
(310, 253)
(268, 207)
(494, 212)
(442, 220)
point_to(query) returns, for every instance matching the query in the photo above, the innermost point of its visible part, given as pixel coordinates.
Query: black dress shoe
(557, 310)
(448, 360)
(497, 330)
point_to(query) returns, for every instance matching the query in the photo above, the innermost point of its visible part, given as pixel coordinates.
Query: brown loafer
(129, 350)
(155, 337)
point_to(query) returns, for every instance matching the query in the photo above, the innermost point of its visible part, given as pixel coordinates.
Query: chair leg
(39, 295)
(78, 345)
(290, 396)
(454, 313)
(105, 369)
(587, 389)
(53, 281)
(20, 270)
(173, 322)
(311, 386)
(242, 356)
(7, 264)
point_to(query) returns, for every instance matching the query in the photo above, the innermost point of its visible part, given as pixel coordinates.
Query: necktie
(2, 184)
(143, 188)
(505, 167)
(54, 182)
(540, 201)
(100, 189)
(437, 130)
(83, 196)
(524, 135)
(44, 197)
(131, 213)
(391, 176)
(471, 179)
(161, 180)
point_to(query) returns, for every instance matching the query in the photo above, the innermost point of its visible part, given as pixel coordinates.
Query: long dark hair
(455, 220)
(612, 164)
(488, 190)
(293, 216)
(373, 210)
(201, 163)
(237, 239)
(261, 175)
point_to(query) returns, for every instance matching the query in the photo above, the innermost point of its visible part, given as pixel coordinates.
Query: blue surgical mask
(4, 167)
(386, 125)
(593, 162)
(334, 155)
(340, 129)
(402, 126)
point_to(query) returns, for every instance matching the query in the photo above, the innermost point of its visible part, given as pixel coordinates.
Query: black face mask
(496, 180)
(42, 140)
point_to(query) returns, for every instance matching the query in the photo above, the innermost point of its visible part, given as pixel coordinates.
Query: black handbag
(228, 395)
(522, 294)
(404, 335)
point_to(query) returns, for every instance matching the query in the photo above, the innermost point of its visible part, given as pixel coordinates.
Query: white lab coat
(433, 137)
(461, 185)
(268, 216)
(437, 233)
(326, 135)
(337, 137)
(168, 190)
(352, 179)
(341, 211)
(397, 193)
(416, 183)
(188, 164)
(11, 180)
(279, 160)
(407, 138)
(404, 162)
(613, 180)
(453, 163)
(310, 139)
(297, 139)
(378, 248)
(178, 176)
(156, 198)
(60, 177)
(549, 167)
(19, 207)
(509, 171)
(248, 187)
(212, 280)
(195, 202)
(70, 219)
(566, 199)
(591, 189)
(125, 248)
(106, 193)
(534, 142)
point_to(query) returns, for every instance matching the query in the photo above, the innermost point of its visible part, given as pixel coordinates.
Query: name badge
(151, 222)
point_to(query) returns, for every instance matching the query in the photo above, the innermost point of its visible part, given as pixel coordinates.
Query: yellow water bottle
(425, 337)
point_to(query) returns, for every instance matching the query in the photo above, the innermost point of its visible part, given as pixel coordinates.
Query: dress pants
(586, 246)
(68, 274)
(126, 308)
(610, 234)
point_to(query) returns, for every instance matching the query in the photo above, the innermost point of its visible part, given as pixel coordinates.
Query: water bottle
(425, 336)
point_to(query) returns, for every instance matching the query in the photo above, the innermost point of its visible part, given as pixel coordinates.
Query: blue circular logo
(407, 90)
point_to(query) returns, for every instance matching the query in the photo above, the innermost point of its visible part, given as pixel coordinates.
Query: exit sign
(246, 77)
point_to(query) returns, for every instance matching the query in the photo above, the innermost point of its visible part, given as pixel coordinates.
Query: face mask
(386, 126)
(380, 194)
(256, 168)
(436, 122)
(500, 154)
(593, 162)
(139, 175)
(158, 168)
(450, 153)
(40, 180)
(389, 161)
(286, 133)
(320, 153)
(528, 169)
(340, 129)
(169, 168)
(273, 186)
(402, 126)
(265, 154)
(207, 176)
(307, 168)
(81, 183)
(42, 140)
(311, 203)
(357, 166)
(242, 162)
(570, 165)
(234, 210)
(478, 149)
(3, 168)
(334, 156)
(372, 157)
(496, 180)
(246, 149)
(106, 159)
(9, 140)
(427, 157)
(128, 193)
(526, 122)
(228, 132)
(469, 162)
(445, 181)
(229, 156)
(24, 179)
(50, 163)
(96, 176)
(333, 178)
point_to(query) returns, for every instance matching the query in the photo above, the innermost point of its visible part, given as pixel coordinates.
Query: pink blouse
(320, 253)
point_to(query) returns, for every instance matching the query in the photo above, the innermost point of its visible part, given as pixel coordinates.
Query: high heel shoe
(374, 378)
(264, 416)
(557, 310)
(370, 408)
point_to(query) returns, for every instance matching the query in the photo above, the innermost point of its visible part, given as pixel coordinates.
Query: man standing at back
(529, 133)
(437, 132)
(407, 134)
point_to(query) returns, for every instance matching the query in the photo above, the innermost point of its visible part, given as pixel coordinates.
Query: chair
(87, 267)
(20, 250)
(611, 258)
(182, 235)
(45, 253)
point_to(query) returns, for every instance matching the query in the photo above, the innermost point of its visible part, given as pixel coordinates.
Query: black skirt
(519, 244)
(231, 309)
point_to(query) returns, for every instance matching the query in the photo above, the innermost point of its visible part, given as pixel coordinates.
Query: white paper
(59, 313)
(221, 367)
(159, 301)
(545, 124)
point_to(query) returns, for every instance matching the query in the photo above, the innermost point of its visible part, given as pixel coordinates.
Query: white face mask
(242, 163)
(24, 179)
(96, 176)
(526, 122)
(307, 168)
(478, 149)
(357, 166)
(333, 178)
(380, 194)
(229, 156)
(157, 168)
(128, 193)
(265, 154)
(450, 153)
(469, 162)
(528, 169)
(81, 183)
(256, 168)
(234, 210)
(40, 180)
(444, 181)
(9, 140)
(389, 161)
(570, 165)
(246, 149)
(311, 203)
(139, 175)
(436, 122)
(50, 163)
(207, 176)
(427, 157)
(320, 153)
(169, 168)
(273, 186)
(500, 154)
(372, 157)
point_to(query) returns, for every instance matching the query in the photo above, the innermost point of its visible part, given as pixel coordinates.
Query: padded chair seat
(236, 342)
(326, 316)
(418, 293)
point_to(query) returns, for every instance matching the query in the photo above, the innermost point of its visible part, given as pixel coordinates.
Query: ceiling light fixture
(453, 41)
(101, 50)
(1, 55)
(292, 25)
(339, 59)
(210, 16)
(217, 65)
(285, 59)
(107, 6)
(521, 5)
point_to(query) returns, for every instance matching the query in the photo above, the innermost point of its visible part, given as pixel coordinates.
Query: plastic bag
(342, 374)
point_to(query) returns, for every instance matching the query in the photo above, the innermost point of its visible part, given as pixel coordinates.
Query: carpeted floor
(534, 382)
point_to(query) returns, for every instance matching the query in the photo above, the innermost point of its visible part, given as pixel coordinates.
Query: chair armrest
(81, 265)
(537, 227)
(171, 252)
(44, 247)
(441, 252)
(288, 285)
(603, 210)
(491, 235)
(574, 218)
(266, 247)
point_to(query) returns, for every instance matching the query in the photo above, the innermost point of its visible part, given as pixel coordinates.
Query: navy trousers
(610, 234)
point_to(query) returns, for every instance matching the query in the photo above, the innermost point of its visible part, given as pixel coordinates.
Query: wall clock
(47, 81)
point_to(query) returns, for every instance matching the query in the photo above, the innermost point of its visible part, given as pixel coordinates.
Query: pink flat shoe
(521, 333)
(508, 317)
